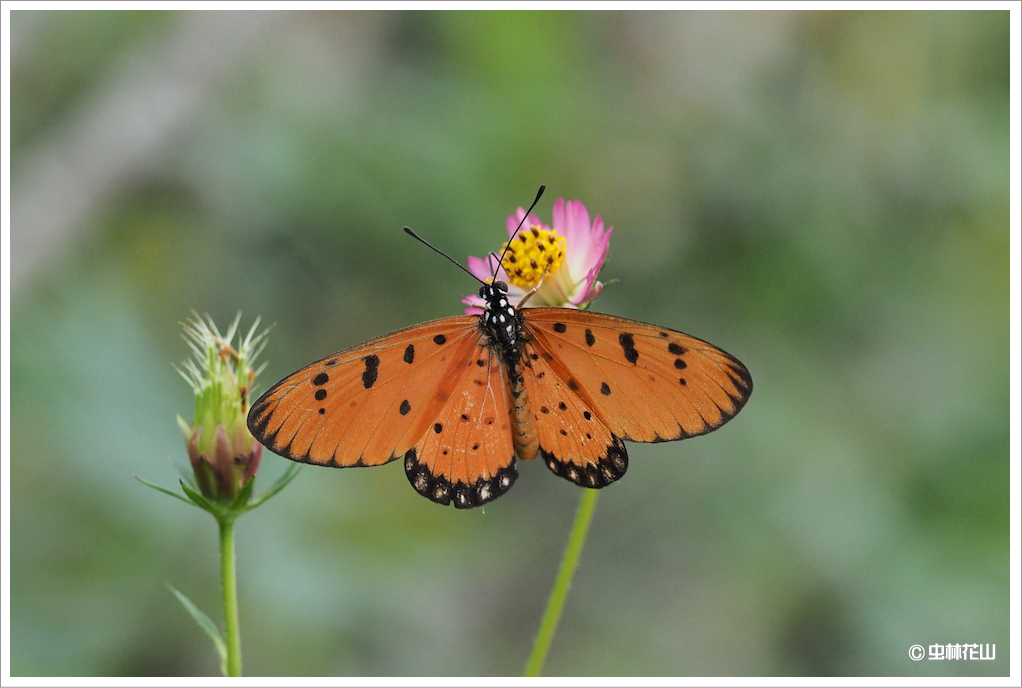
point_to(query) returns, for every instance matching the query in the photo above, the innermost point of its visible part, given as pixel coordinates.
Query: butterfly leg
(532, 291)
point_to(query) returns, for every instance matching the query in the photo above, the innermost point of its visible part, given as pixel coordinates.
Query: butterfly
(457, 399)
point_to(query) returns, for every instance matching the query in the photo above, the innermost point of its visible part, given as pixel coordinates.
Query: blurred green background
(824, 195)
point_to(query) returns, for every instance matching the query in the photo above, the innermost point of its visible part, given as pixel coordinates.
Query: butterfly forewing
(644, 382)
(369, 404)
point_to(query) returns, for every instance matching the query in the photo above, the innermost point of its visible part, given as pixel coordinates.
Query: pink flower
(571, 253)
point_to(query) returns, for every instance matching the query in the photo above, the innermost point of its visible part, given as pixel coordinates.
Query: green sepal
(244, 494)
(197, 498)
(162, 489)
(277, 486)
(206, 624)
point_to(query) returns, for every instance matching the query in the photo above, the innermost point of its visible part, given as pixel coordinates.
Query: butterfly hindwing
(369, 404)
(643, 382)
(574, 442)
(467, 455)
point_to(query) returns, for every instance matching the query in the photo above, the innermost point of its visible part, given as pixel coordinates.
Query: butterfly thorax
(503, 325)
(500, 318)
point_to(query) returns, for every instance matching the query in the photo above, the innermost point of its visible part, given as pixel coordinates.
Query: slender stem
(229, 585)
(555, 605)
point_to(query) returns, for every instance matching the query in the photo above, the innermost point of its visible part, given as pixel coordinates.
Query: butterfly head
(499, 315)
(493, 290)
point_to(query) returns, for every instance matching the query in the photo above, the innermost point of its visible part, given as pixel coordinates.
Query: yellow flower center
(532, 252)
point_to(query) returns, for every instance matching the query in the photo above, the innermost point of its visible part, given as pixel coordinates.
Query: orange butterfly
(458, 398)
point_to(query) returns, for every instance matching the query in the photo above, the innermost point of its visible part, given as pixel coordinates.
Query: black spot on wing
(627, 342)
(560, 327)
(404, 408)
(320, 394)
(676, 349)
(371, 371)
(604, 389)
(409, 353)
(590, 339)
(321, 379)
(439, 339)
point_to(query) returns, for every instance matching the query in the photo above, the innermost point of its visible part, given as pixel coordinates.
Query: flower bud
(223, 454)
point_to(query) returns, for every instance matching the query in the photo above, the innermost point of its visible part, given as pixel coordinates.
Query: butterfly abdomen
(504, 327)
(523, 424)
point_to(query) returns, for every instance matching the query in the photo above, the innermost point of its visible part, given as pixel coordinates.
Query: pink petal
(587, 244)
(475, 305)
(599, 242)
(571, 219)
(592, 288)
(480, 268)
(513, 220)
(594, 291)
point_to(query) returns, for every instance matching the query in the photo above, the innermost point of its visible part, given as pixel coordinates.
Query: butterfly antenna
(408, 231)
(500, 261)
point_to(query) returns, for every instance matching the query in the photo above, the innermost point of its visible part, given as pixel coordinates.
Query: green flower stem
(230, 589)
(555, 605)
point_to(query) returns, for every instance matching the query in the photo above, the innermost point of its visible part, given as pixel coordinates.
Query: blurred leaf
(206, 624)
